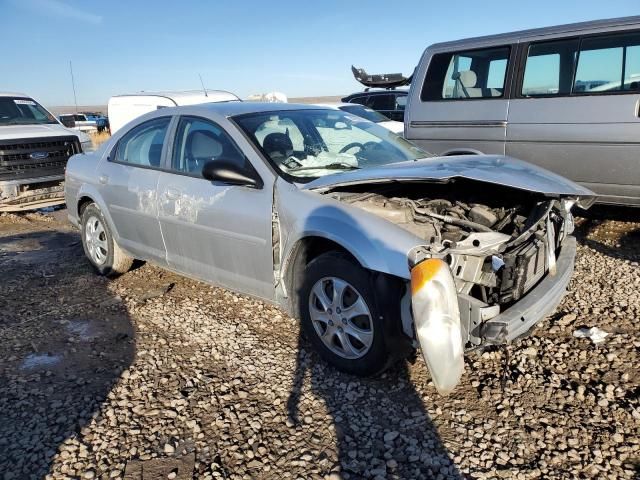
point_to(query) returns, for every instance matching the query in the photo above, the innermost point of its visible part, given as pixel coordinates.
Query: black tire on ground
(116, 261)
(380, 354)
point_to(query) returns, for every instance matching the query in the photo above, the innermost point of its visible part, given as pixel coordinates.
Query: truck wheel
(340, 316)
(99, 246)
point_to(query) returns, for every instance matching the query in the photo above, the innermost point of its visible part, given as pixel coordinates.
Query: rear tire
(340, 316)
(99, 245)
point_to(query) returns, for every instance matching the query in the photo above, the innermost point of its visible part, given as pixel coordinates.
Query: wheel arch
(461, 151)
(301, 254)
(88, 195)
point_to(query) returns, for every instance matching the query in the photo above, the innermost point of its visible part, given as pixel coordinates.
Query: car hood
(9, 132)
(496, 169)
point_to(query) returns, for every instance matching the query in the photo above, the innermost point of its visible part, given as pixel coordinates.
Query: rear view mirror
(231, 173)
(341, 126)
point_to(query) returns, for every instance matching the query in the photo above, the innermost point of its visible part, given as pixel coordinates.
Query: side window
(608, 64)
(467, 75)
(359, 100)
(549, 68)
(401, 102)
(381, 102)
(200, 141)
(142, 145)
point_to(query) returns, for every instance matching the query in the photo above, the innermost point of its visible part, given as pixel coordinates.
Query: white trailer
(124, 108)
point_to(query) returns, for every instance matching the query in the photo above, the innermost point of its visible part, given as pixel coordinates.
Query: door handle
(173, 194)
(103, 179)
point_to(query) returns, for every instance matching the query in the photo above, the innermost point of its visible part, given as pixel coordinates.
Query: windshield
(23, 111)
(364, 112)
(307, 144)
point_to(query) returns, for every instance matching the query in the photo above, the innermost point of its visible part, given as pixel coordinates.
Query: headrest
(277, 142)
(203, 144)
(468, 78)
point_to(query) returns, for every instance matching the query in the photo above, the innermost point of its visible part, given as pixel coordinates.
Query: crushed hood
(496, 169)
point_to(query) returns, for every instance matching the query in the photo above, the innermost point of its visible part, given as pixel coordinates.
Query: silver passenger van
(566, 98)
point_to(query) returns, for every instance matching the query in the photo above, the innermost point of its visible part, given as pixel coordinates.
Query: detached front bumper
(31, 193)
(535, 305)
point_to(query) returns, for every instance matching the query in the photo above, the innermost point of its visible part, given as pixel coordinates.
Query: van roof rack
(380, 80)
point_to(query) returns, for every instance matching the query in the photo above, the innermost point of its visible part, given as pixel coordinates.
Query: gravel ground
(156, 376)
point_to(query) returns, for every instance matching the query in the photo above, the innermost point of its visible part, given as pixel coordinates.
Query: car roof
(536, 32)
(177, 95)
(230, 109)
(13, 94)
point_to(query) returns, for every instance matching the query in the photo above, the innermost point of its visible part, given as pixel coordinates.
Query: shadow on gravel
(611, 230)
(65, 340)
(393, 437)
(382, 427)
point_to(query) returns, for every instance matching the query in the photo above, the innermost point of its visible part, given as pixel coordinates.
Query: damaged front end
(477, 278)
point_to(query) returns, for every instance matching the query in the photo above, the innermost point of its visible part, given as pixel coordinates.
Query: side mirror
(231, 173)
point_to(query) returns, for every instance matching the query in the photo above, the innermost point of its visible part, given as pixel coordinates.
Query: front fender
(377, 244)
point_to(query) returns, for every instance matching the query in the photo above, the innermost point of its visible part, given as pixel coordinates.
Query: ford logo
(38, 155)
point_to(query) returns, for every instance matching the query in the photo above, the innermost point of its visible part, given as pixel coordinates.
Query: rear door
(575, 110)
(128, 181)
(462, 103)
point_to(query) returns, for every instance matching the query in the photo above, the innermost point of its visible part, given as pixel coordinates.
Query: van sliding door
(575, 111)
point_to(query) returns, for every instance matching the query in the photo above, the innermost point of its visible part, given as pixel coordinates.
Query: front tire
(340, 316)
(99, 245)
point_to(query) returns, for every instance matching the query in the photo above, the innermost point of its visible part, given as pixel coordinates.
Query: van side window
(549, 68)
(467, 75)
(608, 64)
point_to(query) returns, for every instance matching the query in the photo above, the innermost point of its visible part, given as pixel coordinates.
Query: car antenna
(202, 83)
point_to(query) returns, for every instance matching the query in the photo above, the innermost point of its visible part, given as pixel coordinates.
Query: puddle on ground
(39, 360)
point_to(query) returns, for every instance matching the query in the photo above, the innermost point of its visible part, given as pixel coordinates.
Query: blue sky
(298, 47)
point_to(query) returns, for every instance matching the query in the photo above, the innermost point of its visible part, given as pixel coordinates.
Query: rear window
(608, 64)
(465, 75)
(594, 65)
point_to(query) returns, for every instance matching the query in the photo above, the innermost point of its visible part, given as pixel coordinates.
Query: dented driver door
(212, 231)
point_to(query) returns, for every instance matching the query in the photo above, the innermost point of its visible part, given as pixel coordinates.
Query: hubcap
(341, 317)
(96, 240)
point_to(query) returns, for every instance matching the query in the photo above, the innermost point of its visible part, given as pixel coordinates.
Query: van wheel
(99, 246)
(340, 317)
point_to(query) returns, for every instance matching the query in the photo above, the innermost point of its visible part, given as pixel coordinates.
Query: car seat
(202, 146)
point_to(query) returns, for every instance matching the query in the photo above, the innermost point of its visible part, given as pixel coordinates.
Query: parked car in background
(101, 122)
(367, 113)
(565, 98)
(124, 108)
(34, 149)
(390, 103)
(374, 244)
(79, 121)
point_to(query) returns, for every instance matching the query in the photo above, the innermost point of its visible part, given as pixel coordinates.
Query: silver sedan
(375, 245)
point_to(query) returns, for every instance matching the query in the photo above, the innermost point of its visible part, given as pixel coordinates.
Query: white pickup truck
(34, 149)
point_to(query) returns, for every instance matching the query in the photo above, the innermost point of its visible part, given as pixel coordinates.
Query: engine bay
(498, 241)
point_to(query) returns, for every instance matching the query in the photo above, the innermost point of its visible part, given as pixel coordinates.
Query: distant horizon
(245, 47)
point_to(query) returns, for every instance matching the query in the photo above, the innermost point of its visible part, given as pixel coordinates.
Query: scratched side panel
(219, 233)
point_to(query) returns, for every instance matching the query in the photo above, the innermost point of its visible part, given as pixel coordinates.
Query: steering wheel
(351, 145)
